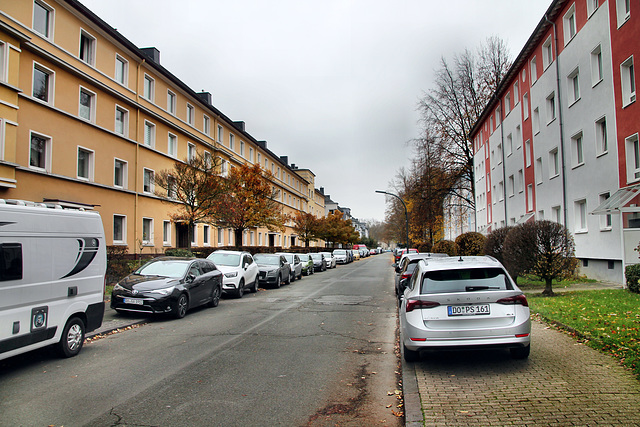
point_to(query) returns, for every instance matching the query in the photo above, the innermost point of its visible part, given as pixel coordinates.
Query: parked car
(319, 263)
(462, 303)
(341, 256)
(294, 264)
(405, 268)
(361, 249)
(307, 264)
(329, 259)
(356, 254)
(274, 269)
(399, 252)
(239, 269)
(169, 285)
(349, 255)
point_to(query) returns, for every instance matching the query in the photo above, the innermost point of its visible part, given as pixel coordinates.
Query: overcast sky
(332, 84)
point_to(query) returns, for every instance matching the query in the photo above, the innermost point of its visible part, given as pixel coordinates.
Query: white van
(52, 270)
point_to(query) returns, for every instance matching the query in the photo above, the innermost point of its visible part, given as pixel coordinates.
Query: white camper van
(52, 269)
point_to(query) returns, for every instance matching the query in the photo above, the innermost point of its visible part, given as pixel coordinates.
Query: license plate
(134, 301)
(468, 310)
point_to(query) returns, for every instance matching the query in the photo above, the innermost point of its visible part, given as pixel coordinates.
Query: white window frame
(511, 186)
(232, 142)
(48, 149)
(597, 66)
(146, 172)
(149, 134)
(191, 114)
(538, 171)
(90, 163)
(580, 211)
(206, 125)
(50, 83)
(191, 151)
(527, 153)
(577, 150)
(123, 226)
(220, 134)
(148, 241)
(220, 237)
(536, 121)
(92, 104)
(530, 204)
(547, 53)
(194, 235)
(551, 107)
(206, 235)
(569, 26)
(592, 6)
(124, 79)
(606, 223)
(573, 86)
(172, 188)
(602, 136)
(554, 163)
(4, 48)
(628, 81)
(166, 233)
(125, 173)
(50, 19)
(172, 100)
(623, 11)
(125, 123)
(242, 148)
(88, 53)
(525, 106)
(632, 145)
(533, 69)
(556, 214)
(148, 88)
(172, 149)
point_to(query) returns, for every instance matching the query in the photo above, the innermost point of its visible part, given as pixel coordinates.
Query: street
(317, 352)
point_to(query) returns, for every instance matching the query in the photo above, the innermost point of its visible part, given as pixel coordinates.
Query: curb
(104, 330)
(413, 416)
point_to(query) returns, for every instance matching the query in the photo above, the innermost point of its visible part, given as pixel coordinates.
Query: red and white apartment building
(559, 139)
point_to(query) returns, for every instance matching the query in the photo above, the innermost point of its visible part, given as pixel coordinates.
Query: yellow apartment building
(87, 119)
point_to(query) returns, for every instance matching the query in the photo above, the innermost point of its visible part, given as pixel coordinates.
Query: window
(541, 215)
(569, 24)
(120, 173)
(172, 145)
(149, 88)
(232, 142)
(149, 134)
(87, 47)
(85, 164)
(498, 148)
(242, 148)
(623, 11)
(520, 181)
(194, 235)
(511, 186)
(148, 181)
(224, 168)
(580, 207)
(43, 83)
(596, 66)
(525, 106)
(574, 86)
(166, 233)
(605, 220)
(633, 158)
(172, 188)
(527, 153)
(87, 104)
(43, 19)
(220, 134)
(208, 160)
(628, 82)
(539, 170)
(40, 152)
(205, 235)
(592, 6)
(551, 107)
(507, 104)
(516, 93)
(220, 236)
(536, 121)
(250, 154)
(547, 53)
(206, 125)
(190, 114)
(529, 197)
(122, 70)
(555, 214)
(147, 231)
(602, 141)
(534, 70)
(171, 102)
(554, 163)
(191, 151)
(119, 229)
(3, 62)
(577, 155)
(122, 121)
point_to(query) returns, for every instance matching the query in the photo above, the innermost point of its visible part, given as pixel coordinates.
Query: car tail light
(516, 299)
(405, 276)
(521, 335)
(415, 304)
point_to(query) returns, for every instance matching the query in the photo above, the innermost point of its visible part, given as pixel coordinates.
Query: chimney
(239, 126)
(262, 144)
(205, 97)
(285, 160)
(321, 190)
(293, 166)
(151, 53)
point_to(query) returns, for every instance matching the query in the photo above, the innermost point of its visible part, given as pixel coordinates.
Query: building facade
(559, 141)
(87, 119)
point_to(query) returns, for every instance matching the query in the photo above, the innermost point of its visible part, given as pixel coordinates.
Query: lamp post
(406, 212)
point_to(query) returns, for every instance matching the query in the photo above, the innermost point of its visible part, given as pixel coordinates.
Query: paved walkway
(563, 383)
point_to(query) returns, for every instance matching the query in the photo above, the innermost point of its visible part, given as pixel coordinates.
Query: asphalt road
(317, 352)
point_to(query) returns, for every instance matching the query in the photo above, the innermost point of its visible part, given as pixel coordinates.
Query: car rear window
(465, 280)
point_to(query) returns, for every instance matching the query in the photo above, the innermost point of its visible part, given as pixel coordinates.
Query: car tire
(411, 355)
(240, 291)
(278, 281)
(72, 338)
(182, 305)
(288, 279)
(520, 352)
(254, 287)
(293, 279)
(215, 296)
(300, 275)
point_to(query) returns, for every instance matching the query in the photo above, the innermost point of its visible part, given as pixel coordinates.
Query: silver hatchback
(463, 302)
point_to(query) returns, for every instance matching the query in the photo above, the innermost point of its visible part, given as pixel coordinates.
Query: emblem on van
(87, 250)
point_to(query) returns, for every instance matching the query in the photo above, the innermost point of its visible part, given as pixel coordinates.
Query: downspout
(504, 167)
(560, 121)
(136, 201)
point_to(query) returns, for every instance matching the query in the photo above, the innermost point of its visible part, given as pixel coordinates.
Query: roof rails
(50, 205)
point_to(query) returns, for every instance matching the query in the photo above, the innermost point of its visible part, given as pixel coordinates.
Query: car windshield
(340, 252)
(289, 257)
(218, 258)
(164, 268)
(316, 257)
(326, 254)
(267, 259)
(465, 280)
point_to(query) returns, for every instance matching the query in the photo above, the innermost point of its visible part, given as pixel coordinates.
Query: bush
(471, 243)
(632, 274)
(424, 247)
(445, 247)
(494, 243)
(519, 251)
(118, 264)
(179, 252)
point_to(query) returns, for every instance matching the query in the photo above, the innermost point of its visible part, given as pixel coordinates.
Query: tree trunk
(237, 233)
(548, 291)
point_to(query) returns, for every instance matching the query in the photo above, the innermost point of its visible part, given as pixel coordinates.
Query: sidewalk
(112, 321)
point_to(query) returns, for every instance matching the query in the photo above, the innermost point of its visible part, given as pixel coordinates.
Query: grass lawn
(607, 320)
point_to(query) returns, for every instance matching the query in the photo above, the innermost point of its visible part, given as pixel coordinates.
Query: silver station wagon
(461, 303)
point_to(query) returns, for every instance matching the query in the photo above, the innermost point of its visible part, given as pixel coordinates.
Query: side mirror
(403, 285)
(190, 278)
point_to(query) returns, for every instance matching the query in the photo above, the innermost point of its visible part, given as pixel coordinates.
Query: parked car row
(466, 302)
(174, 285)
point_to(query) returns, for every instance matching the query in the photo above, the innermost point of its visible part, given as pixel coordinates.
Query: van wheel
(72, 338)
(181, 307)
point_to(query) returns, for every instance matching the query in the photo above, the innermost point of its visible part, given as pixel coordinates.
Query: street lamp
(406, 213)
